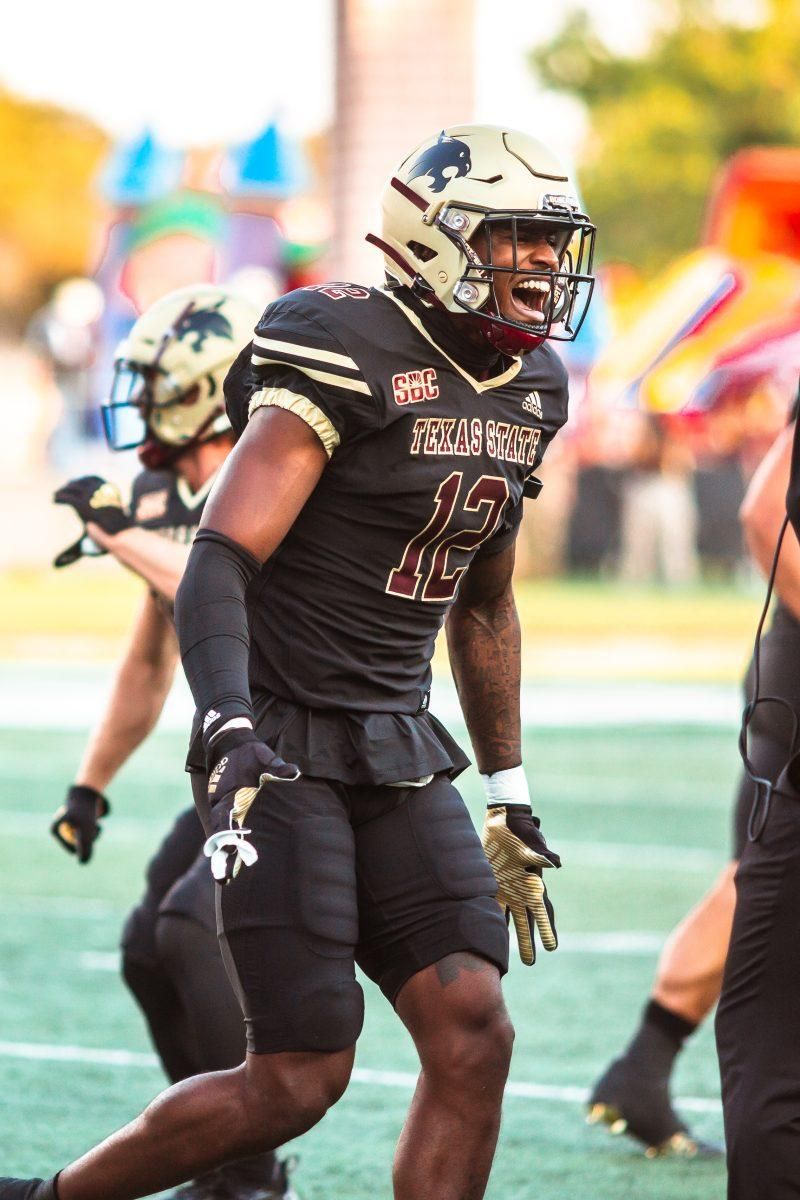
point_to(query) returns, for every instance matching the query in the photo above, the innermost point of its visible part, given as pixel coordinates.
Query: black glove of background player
(242, 764)
(93, 499)
(76, 824)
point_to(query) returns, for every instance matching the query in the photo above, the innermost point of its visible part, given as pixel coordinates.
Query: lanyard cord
(762, 800)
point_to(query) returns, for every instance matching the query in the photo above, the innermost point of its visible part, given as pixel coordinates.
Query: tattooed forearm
(484, 644)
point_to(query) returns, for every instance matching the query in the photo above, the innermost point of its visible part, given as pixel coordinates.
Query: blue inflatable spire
(140, 171)
(272, 165)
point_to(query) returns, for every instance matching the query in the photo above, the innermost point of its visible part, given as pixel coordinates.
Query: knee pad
(329, 1018)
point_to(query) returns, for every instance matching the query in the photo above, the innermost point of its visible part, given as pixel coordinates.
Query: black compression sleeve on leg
(676, 1027)
(211, 621)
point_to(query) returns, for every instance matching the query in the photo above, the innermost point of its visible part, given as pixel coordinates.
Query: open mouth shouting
(532, 299)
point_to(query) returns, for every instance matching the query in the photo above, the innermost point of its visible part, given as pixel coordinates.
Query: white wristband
(234, 723)
(507, 787)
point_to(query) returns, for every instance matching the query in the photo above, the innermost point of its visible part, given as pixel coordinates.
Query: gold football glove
(518, 854)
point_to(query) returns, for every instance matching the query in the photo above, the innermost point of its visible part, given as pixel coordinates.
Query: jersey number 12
(485, 498)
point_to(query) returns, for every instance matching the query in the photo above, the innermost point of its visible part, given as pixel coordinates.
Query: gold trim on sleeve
(302, 407)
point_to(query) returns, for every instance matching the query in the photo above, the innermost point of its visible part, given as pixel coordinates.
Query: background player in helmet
(167, 400)
(388, 438)
(633, 1093)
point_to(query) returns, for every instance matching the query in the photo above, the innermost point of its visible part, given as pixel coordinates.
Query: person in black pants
(632, 1095)
(759, 1011)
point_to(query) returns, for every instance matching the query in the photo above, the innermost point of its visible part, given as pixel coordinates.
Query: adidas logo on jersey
(533, 404)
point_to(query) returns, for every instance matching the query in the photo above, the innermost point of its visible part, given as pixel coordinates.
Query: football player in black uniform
(756, 1020)
(633, 1093)
(170, 955)
(387, 439)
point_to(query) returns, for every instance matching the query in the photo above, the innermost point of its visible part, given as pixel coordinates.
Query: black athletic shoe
(27, 1189)
(262, 1177)
(202, 1188)
(630, 1101)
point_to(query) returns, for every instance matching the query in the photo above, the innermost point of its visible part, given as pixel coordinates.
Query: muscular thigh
(289, 923)
(425, 887)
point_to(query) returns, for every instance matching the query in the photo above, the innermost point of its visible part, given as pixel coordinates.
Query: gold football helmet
(478, 177)
(168, 373)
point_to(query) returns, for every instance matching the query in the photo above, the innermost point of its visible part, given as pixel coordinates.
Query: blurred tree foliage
(48, 211)
(661, 124)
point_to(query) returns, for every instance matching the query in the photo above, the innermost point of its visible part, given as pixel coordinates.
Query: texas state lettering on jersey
(464, 436)
(427, 468)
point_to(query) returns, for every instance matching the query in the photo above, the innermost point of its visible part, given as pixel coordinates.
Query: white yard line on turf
(623, 943)
(614, 941)
(41, 1052)
(632, 856)
(68, 907)
(75, 698)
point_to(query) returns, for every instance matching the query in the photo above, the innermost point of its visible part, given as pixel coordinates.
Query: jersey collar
(192, 499)
(480, 385)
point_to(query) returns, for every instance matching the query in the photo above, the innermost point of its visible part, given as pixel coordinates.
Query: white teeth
(534, 285)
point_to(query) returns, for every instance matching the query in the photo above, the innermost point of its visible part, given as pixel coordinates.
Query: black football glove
(242, 765)
(85, 547)
(518, 853)
(76, 825)
(93, 499)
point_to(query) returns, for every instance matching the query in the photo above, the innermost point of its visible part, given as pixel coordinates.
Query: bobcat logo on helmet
(166, 395)
(203, 323)
(447, 154)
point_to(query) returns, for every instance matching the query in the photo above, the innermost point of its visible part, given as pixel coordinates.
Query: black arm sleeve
(211, 621)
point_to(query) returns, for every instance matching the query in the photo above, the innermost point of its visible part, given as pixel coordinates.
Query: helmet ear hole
(191, 396)
(423, 253)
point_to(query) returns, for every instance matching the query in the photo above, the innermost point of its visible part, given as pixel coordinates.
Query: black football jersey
(163, 502)
(428, 467)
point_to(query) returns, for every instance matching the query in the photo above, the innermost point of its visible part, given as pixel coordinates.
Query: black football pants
(172, 964)
(758, 1019)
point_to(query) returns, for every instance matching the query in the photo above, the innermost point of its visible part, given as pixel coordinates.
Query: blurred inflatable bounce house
(243, 214)
(724, 320)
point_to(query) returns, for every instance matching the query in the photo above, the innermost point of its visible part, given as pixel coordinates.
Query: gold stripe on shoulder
(323, 356)
(302, 407)
(342, 381)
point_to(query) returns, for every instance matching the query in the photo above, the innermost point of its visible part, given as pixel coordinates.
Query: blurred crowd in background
(683, 373)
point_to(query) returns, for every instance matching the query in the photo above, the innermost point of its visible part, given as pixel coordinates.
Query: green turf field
(573, 628)
(622, 807)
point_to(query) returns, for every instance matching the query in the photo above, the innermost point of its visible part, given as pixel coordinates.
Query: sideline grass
(572, 628)
(603, 796)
